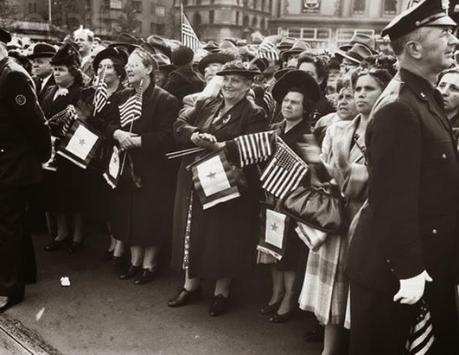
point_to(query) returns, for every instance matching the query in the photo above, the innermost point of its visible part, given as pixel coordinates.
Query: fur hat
(67, 55)
(182, 56)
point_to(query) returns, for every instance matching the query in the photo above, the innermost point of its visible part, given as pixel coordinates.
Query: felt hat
(182, 55)
(67, 55)
(117, 55)
(301, 81)
(236, 67)
(42, 50)
(218, 57)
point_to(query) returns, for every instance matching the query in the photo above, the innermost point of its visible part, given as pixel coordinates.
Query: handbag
(318, 206)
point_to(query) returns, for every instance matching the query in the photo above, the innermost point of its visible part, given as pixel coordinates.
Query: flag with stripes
(131, 109)
(421, 335)
(189, 37)
(284, 172)
(255, 148)
(101, 95)
(268, 50)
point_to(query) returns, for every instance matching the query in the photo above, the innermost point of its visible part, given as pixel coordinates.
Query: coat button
(434, 231)
(2, 150)
(388, 261)
(443, 156)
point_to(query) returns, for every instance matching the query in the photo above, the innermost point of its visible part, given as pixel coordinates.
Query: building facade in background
(219, 19)
(331, 23)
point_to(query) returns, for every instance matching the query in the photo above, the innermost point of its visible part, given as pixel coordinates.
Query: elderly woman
(296, 92)
(140, 207)
(325, 288)
(216, 243)
(109, 66)
(64, 188)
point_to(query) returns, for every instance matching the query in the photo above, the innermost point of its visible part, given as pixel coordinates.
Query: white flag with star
(79, 144)
(275, 228)
(214, 179)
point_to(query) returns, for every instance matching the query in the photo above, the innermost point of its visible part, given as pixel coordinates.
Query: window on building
(198, 2)
(263, 5)
(255, 4)
(185, 2)
(245, 21)
(238, 14)
(196, 20)
(211, 16)
(160, 29)
(359, 6)
(137, 6)
(254, 22)
(212, 2)
(390, 7)
(245, 3)
(263, 24)
(116, 4)
(160, 11)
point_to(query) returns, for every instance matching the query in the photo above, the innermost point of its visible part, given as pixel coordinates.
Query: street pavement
(100, 314)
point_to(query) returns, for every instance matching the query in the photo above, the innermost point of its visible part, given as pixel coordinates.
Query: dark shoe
(55, 245)
(315, 335)
(219, 306)
(184, 297)
(281, 318)
(270, 308)
(130, 273)
(145, 276)
(75, 247)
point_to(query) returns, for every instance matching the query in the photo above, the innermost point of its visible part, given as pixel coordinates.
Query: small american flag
(268, 50)
(412, 3)
(284, 172)
(131, 110)
(101, 95)
(421, 335)
(255, 148)
(189, 37)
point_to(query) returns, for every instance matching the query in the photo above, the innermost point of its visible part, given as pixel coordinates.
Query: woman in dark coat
(216, 243)
(64, 188)
(140, 207)
(109, 66)
(296, 92)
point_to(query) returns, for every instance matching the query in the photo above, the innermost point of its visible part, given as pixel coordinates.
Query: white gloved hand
(412, 289)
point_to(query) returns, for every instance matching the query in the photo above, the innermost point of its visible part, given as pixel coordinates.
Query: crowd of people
(380, 127)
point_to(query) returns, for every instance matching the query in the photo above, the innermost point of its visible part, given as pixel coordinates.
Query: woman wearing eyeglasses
(325, 288)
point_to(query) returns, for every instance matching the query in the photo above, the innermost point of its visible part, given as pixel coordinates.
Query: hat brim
(220, 58)
(299, 80)
(280, 73)
(347, 47)
(246, 73)
(342, 54)
(291, 52)
(443, 21)
(41, 55)
(110, 53)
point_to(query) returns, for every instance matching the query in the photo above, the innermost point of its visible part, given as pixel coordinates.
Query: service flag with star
(79, 144)
(114, 169)
(214, 179)
(274, 234)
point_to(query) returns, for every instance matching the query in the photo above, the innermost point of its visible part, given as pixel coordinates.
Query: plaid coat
(325, 287)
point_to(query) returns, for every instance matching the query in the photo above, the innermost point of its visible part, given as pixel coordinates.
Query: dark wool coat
(410, 223)
(65, 189)
(295, 251)
(24, 144)
(182, 82)
(142, 216)
(223, 237)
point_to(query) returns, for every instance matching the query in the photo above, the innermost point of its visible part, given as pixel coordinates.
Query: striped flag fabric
(101, 95)
(255, 148)
(412, 3)
(189, 37)
(268, 50)
(421, 335)
(131, 109)
(284, 172)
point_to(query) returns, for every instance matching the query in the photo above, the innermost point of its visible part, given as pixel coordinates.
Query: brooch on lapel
(226, 119)
(62, 92)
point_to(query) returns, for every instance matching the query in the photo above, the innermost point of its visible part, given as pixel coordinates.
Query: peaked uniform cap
(425, 13)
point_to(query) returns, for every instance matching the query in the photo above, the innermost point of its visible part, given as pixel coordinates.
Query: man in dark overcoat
(184, 80)
(404, 250)
(24, 144)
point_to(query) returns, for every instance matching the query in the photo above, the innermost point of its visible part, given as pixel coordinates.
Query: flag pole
(181, 20)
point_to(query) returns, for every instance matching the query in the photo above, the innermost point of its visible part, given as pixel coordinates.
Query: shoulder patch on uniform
(20, 100)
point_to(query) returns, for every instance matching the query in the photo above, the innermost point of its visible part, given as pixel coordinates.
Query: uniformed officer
(24, 144)
(404, 246)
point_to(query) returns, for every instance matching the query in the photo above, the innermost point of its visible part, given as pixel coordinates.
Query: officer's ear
(414, 49)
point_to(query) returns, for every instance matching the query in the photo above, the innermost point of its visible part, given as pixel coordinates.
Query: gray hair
(398, 45)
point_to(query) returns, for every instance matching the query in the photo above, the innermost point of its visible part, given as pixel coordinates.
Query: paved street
(99, 314)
